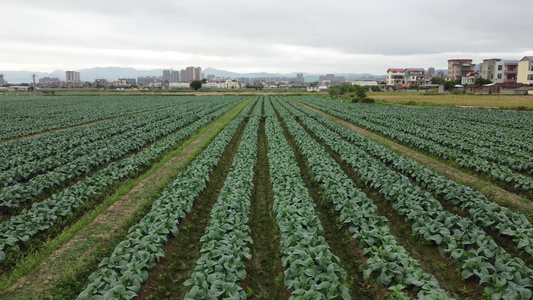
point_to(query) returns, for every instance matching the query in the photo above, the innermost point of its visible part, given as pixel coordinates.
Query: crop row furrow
(476, 252)
(484, 212)
(312, 271)
(96, 153)
(45, 214)
(13, 196)
(121, 274)
(27, 158)
(390, 263)
(496, 171)
(22, 152)
(221, 267)
(38, 114)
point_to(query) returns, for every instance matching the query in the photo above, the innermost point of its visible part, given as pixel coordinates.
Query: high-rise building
(72, 77)
(183, 76)
(198, 73)
(166, 75)
(190, 73)
(330, 77)
(2, 80)
(175, 76)
(300, 78)
(430, 73)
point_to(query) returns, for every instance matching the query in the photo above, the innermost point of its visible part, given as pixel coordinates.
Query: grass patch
(522, 102)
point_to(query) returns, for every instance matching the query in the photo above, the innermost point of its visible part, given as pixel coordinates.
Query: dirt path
(80, 249)
(27, 137)
(492, 192)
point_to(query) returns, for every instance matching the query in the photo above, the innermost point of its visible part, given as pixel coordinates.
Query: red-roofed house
(525, 70)
(395, 76)
(414, 76)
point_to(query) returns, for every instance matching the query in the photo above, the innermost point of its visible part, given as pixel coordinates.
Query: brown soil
(264, 274)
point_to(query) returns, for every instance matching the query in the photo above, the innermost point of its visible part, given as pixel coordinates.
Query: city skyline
(244, 37)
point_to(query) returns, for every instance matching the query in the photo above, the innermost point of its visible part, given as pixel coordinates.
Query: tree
(482, 81)
(333, 92)
(195, 85)
(449, 85)
(361, 93)
(438, 80)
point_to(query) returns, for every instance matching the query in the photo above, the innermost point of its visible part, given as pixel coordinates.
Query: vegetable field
(261, 197)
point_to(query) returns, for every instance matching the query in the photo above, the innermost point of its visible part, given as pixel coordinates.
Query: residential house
(489, 67)
(470, 78)
(500, 88)
(414, 76)
(510, 71)
(395, 77)
(525, 70)
(459, 68)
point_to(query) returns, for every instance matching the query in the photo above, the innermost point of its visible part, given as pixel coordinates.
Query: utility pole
(34, 85)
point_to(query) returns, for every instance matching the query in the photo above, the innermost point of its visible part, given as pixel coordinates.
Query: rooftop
(415, 69)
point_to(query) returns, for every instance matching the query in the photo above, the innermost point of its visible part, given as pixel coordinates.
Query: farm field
(262, 197)
(488, 101)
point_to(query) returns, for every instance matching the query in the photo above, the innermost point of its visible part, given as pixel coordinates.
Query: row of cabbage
(361, 115)
(120, 275)
(311, 270)
(389, 262)
(501, 118)
(95, 155)
(477, 254)
(21, 116)
(221, 267)
(67, 143)
(45, 214)
(482, 211)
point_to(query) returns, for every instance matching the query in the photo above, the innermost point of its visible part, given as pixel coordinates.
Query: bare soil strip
(340, 244)
(80, 248)
(264, 274)
(82, 125)
(492, 192)
(181, 252)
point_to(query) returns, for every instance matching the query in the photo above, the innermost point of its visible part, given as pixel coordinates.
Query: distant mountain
(307, 76)
(112, 73)
(109, 73)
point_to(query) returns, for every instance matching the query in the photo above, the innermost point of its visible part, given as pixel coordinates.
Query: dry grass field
(499, 101)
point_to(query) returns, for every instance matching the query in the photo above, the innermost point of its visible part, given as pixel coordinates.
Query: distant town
(492, 75)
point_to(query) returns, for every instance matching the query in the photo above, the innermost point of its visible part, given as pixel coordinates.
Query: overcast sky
(253, 36)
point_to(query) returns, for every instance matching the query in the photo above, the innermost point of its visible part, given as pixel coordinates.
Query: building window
(500, 67)
(499, 76)
(530, 77)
